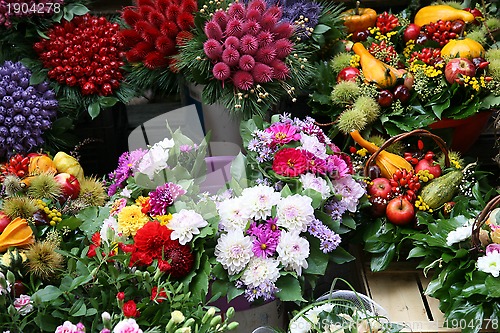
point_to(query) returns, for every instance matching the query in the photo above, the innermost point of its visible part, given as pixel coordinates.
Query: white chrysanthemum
(309, 180)
(109, 230)
(311, 144)
(295, 213)
(490, 263)
(232, 214)
(259, 200)
(260, 270)
(156, 158)
(459, 234)
(185, 224)
(303, 324)
(293, 251)
(350, 190)
(233, 251)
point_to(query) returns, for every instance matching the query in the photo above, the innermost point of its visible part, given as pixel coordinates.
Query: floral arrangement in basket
(461, 254)
(406, 189)
(289, 201)
(251, 55)
(402, 71)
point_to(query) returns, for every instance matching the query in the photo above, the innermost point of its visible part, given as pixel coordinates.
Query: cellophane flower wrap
(280, 226)
(247, 56)
(464, 274)
(427, 78)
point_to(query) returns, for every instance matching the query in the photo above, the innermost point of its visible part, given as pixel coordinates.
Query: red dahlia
(290, 162)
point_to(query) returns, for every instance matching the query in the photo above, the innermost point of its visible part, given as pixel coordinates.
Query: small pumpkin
(17, 234)
(462, 48)
(65, 163)
(358, 19)
(41, 163)
(388, 163)
(374, 70)
(431, 14)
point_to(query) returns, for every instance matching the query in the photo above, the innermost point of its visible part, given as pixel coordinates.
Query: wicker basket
(480, 221)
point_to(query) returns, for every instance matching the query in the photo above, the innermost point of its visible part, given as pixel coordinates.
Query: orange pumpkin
(17, 234)
(41, 164)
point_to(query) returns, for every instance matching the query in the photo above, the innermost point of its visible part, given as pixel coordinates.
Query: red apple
(411, 32)
(425, 164)
(380, 188)
(70, 186)
(378, 206)
(457, 67)
(4, 221)
(348, 74)
(400, 211)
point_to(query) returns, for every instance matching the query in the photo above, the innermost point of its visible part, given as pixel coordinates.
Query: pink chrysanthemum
(231, 57)
(163, 197)
(247, 62)
(290, 162)
(243, 80)
(262, 73)
(213, 30)
(212, 49)
(221, 71)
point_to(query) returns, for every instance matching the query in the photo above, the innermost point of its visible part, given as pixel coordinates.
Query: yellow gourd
(68, 164)
(387, 162)
(17, 234)
(374, 70)
(462, 48)
(430, 14)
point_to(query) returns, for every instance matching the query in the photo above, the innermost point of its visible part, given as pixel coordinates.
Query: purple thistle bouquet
(26, 111)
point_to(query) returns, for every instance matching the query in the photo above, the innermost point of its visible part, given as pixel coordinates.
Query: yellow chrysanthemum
(140, 201)
(163, 219)
(131, 219)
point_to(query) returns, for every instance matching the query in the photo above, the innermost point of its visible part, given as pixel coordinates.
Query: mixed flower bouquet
(403, 71)
(289, 201)
(461, 252)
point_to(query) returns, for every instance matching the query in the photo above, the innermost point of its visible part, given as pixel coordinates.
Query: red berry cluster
(386, 22)
(157, 28)
(84, 52)
(430, 56)
(17, 166)
(414, 158)
(442, 31)
(405, 183)
(383, 51)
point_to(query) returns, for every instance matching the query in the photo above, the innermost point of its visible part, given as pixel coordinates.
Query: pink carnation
(127, 326)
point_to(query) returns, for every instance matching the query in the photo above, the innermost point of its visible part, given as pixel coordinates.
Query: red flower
(96, 242)
(180, 257)
(151, 238)
(290, 162)
(120, 296)
(130, 309)
(158, 296)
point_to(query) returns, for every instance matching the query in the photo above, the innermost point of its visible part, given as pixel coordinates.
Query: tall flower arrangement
(246, 55)
(154, 30)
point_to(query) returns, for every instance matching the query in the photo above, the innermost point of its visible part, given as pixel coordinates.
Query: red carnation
(158, 296)
(290, 162)
(120, 296)
(130, 309)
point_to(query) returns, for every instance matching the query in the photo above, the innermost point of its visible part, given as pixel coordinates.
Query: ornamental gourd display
(374, 70)
(358, 19)
(431, 14)
(462, 48)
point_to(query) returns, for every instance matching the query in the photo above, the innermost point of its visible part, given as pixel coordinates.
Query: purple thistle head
(164, 197)
(294, 9)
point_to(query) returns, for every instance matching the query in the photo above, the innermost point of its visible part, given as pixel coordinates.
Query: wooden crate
(400, 291)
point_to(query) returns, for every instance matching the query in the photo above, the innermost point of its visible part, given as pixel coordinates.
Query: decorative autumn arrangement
(407, 185)
(154, 31)
(399, 72)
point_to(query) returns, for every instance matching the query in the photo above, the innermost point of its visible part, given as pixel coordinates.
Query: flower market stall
(358, 209)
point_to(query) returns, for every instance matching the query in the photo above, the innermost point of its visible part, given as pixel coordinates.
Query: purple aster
(185, 148)
(335, 208)
(268, 290)
(164, 197)
(329, 241)
(127, 162)
(265, 243)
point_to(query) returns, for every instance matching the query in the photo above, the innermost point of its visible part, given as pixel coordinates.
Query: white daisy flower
(259, 200)
(232, 214)
(260, 270)
(233, 251)
(293, 251)
(295, 213)
(459, 234)
(309, 180)
(490, 263)
(185, 224)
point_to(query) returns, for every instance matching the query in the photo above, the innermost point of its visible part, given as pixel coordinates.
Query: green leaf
(107, 102)
(42, 34)
(317, 261)
(94, 109)
(233, 292)
(438, 109)
(290, 290)
(341, 256)
(381, 262)
(493, 286)
(78, 9)
(37, 78)
(238, 167)
(321, 29)
(490, 101)
(78, 309)
(349, 221)
(70, 223)
(93, 217)
(47, 294)
(315, 196)
(417, 252)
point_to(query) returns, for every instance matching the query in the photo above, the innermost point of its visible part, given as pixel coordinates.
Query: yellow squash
(387, 162)
(430, 14)
(68, 164)
(374, 70)
(17, 234)
(462, 48)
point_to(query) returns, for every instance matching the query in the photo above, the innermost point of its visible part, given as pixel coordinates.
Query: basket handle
(481, 219)
(417, 132)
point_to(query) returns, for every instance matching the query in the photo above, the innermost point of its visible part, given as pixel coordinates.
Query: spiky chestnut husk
(369, 107)
(454, 4)
(44, 186)
(23, 207)
(345, 92)
(43, 260)
(494, 69)
(456, 160)
(12, 185)
(340, 61)
(92, 192)
(352, 119)
(478, 36)
(395, 148)
(492, 23)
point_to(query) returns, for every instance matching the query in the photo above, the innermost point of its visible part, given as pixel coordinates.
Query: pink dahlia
(282, 133)
(164, 197)
(290, 162)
